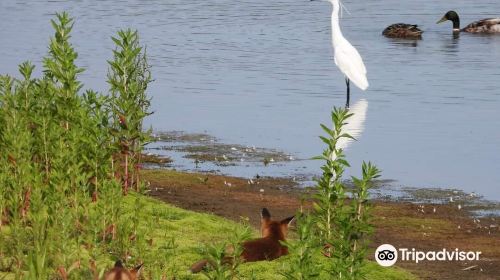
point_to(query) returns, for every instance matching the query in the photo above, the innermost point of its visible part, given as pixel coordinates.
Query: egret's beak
(443, 19)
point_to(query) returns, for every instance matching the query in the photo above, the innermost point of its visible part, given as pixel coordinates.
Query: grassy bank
(178, 236)
(403, 224)
(190, 231)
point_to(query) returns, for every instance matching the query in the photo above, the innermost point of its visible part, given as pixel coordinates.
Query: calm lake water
(260, 72)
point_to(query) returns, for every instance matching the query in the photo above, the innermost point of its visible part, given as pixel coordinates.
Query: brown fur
(268, 247)
(121, 273)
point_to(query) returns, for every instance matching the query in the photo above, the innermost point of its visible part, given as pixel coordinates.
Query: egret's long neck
(336, 32)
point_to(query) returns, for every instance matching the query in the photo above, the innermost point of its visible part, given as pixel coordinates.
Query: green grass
(190, 231)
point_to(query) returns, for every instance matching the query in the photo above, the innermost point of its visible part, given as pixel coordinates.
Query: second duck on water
(488, 25)
(403, 30)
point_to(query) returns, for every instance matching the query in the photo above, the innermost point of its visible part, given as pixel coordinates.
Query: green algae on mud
(202, 147)
(472, 202)
(152, 159)
(206, 148)
(180, 136)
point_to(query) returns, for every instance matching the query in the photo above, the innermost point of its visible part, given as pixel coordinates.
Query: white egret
(346, 56)
(351, 65)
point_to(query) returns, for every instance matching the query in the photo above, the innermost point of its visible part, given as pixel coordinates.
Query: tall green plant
(224, 258)
(343, 227)
(61, 207)
(129, 76)
(331, 191)
(304, 250)
(359, 227)
(61, 69)
(19, 175)
(339, 225)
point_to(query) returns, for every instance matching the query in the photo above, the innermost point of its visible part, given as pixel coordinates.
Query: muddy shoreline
(204, 153)
(426, 226)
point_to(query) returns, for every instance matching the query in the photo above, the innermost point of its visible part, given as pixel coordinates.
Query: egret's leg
(348, 93)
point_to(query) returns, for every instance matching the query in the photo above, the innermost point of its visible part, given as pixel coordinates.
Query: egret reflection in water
(355, 124)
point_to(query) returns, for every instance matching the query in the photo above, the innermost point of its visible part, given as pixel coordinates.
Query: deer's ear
(137, 270)
(264, 214)
(288, 221)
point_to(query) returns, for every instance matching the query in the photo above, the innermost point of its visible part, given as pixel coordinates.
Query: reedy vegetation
(66, 157)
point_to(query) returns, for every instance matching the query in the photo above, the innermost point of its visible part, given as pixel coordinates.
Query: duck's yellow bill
(443, 19)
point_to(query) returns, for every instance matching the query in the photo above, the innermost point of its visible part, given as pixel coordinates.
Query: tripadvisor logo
(388, 255)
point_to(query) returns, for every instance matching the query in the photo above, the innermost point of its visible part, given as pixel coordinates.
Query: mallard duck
(488, 25)
(403, 30)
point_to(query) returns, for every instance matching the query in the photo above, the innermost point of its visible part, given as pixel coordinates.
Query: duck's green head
(453, 16)
(450, 15)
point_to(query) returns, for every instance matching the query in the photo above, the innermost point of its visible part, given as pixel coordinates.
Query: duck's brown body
(488, 25)
(268, 247)
(403, 30)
